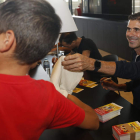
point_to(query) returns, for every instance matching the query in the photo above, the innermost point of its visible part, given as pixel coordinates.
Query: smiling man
(122, 69)
(133, 34)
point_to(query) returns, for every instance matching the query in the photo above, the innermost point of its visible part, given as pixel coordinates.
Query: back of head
(35, 25)
(135, 16)
(68, 37)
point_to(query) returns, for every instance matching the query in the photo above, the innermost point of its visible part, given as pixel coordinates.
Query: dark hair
(35, 25)
(135, 16)
(68, 37)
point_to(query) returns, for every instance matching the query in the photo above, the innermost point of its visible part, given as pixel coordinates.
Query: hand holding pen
(105, 79)
(108, 84)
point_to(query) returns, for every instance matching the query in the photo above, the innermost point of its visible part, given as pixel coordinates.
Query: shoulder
(85, 39)
(43, 86)
(43, 82)
(88, 40)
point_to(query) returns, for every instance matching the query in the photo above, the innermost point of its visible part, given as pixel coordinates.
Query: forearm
(86, 53)
(128, 70)
(121, 87)
(79, 103)
(106, 67)
(91, 120)
(78, 62)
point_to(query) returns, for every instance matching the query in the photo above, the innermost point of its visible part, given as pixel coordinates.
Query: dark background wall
(108, 35)
(123, 7)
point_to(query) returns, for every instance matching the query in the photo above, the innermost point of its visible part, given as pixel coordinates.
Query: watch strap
(97, 65)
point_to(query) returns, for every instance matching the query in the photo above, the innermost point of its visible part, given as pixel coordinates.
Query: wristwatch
(97, 65)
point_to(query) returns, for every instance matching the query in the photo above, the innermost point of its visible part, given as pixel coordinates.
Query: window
(72, 0)
(2, 1)
(136, 5)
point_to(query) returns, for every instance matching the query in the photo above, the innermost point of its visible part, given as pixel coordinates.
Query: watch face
(97, 64)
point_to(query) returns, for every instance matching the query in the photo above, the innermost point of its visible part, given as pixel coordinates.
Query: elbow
(96, 124)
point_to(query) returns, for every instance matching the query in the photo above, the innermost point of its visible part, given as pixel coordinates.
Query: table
(96, 97)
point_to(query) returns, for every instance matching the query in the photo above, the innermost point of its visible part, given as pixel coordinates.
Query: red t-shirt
(28, 107)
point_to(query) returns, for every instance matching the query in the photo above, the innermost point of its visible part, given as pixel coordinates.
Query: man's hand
(54, 60)
(111, 85)
(78, 62)
(108, 84)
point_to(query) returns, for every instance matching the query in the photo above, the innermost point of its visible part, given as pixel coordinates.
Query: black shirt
(88, 44)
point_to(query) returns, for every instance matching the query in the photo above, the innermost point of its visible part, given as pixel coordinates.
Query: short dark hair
(68, 37)
(135, 16)
(35, 25)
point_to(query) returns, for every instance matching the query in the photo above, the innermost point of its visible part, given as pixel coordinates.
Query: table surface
(96, 97)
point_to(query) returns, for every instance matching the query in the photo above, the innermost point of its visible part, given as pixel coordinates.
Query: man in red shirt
(28, 30)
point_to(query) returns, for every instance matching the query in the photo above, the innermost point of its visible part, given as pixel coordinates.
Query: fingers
(109, 85)
(102, 79)
(73, 62)
(54, 60)
(70, 57)
(76, 62)
(74, 67)
(69, 62)
(105, 87)
(105, 83)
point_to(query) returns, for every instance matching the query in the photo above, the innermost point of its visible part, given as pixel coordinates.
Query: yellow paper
(77, 90)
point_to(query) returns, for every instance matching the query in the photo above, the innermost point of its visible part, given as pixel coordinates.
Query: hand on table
(77, 62)
(108, 84)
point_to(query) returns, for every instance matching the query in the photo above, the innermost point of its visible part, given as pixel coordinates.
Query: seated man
(80, 45)
(28, 30)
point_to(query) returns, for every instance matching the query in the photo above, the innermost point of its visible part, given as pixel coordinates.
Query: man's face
(133, 34)
(71, 46)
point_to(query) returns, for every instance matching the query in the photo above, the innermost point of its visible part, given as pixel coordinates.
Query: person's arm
(91, 48)
(122, 69)
(78, 62)
(86, 53)
(91, 120)
(127, 70)
(71, 111)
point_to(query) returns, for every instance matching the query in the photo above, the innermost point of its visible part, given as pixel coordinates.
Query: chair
(112, 57)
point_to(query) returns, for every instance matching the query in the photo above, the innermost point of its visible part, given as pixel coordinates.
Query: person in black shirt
(80, 45)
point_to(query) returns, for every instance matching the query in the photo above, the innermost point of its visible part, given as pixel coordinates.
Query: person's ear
(9, 38)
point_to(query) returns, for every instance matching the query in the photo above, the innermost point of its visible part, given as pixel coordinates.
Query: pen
(103, 80)
(106, 79)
